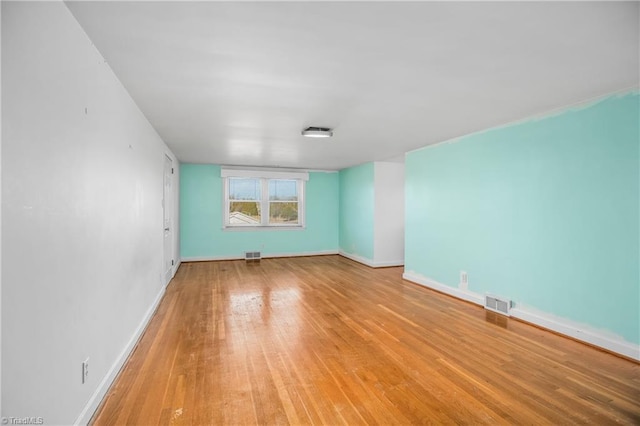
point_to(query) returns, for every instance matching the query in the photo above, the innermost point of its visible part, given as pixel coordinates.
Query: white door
(167, 204)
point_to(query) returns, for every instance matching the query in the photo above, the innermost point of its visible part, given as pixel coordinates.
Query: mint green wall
(201, 234)
(545, 213)
(357, 210)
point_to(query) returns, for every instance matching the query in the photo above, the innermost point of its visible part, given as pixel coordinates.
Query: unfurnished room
(325, 212)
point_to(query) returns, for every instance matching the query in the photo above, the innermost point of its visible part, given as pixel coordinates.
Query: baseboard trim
(264, 256)
(301, 254)
(388, 263)
(566, 328)
(356, 258)
(369, 262)
(466, 295)
(102, 389)
(210, 258)
(539, 319)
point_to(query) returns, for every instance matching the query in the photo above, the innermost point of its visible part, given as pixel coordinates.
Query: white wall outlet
(85, 371)
(464, 280)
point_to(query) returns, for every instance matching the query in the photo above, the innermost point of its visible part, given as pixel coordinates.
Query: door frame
(168, 212)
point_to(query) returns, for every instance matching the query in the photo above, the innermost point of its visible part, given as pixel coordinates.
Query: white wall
(82, 184)
(389, 214)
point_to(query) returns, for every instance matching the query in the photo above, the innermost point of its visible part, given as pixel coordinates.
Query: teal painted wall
(202, 236)
(357, 210)
(545, 212)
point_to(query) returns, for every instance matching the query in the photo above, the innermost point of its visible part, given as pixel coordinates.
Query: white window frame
(265, 175)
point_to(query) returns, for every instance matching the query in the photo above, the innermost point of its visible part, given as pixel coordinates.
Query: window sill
(262, 228)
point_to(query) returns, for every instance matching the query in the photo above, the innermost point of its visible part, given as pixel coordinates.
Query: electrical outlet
(85, 371)
(464, 280)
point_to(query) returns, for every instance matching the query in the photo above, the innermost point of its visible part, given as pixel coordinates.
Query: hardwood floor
(325, 340)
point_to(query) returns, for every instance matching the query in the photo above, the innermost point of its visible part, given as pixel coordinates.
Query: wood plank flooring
(325, 340)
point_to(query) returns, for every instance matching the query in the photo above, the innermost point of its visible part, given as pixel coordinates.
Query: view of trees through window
(248, 196)
(283, 201)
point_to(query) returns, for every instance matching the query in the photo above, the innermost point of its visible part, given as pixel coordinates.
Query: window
(283, 202)
(245, 201)
(273, 200)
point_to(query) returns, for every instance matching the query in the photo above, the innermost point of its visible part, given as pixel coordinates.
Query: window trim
(264, 173)
(265, 176)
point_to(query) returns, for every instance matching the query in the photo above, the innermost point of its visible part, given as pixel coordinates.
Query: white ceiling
(235, 83)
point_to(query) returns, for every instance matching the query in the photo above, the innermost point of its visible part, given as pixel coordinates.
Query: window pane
(283, 213)
(244, 213)
(244, 189)
(283, 190)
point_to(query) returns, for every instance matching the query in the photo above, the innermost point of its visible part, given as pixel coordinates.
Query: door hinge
(171, 262)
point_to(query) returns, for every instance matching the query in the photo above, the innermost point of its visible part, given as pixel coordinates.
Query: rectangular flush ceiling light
(317, 132)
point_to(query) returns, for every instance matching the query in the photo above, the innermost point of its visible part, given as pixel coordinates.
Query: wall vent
(497, 304)
(252, 256)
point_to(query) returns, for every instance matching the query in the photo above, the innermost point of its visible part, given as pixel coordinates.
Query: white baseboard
(210, 258)
(264, 256)
(388, 263)
(545, 320)
(369, 262)
(467, 295)
(355, 257)
(578, 332)
(105, 384)
(300, 254)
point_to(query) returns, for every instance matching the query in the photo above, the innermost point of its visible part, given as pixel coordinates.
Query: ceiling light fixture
(317, 132)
